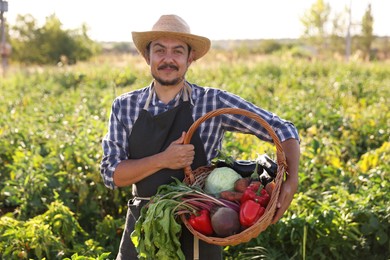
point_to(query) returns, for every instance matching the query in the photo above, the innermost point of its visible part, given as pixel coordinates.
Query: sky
(114, 20)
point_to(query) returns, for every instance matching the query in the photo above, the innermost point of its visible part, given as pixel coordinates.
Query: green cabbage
(221, 179)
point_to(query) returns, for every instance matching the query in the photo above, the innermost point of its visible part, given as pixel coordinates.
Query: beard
(171, 82)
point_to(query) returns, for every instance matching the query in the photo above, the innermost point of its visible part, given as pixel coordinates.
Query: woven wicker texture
(198, 176)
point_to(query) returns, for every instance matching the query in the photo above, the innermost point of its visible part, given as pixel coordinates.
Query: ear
(147, 54)
(147, 57)
(190, 58)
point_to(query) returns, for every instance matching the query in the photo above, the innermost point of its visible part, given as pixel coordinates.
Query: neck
(167, 93)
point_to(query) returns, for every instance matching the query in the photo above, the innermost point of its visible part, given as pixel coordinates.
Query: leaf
(170, 233)
(374, 223)
(381, 237)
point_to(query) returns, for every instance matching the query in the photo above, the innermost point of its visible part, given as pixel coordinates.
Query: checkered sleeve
(284, 129)
(212, 130)
(114, 143)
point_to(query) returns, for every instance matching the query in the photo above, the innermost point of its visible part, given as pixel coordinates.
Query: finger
(280, 209)
(190, 160)
(181, 139)
(277, 216)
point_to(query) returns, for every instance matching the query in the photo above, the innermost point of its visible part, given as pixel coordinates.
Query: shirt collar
(178, 97)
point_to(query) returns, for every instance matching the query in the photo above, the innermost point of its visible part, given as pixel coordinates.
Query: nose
(168, 57)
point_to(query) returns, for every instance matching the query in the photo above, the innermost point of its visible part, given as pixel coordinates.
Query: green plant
(52, 120)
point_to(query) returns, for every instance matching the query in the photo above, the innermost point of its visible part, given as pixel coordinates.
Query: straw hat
(171, 26)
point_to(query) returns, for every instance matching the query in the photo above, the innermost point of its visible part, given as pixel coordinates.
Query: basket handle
(281, 158)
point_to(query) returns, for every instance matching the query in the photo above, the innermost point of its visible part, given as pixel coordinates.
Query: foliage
(260, 47)
(53, 203)
(53, 234)
(367, 31)
(315, 20)
(49, 44)
(330, 32)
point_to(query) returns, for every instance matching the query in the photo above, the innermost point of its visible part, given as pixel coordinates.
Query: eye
(179, 51)
(159, 50)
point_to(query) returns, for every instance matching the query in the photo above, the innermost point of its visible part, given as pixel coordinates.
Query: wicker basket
(198, 176)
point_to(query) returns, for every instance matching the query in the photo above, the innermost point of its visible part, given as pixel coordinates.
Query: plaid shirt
(126, 108)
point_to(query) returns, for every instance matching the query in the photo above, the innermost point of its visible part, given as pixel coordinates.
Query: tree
(314, 21)
(21, 34)
(339, 28)
(49, 44)
(367, 36)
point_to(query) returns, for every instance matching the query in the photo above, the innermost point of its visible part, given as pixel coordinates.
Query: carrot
(231, 195)
(241, 184)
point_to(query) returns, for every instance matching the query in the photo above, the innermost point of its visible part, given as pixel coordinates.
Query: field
(54, 205)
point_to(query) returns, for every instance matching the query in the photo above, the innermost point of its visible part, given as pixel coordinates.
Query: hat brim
(199, 44)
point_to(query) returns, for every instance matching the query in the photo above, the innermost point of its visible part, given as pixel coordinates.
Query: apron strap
(196, 248)
(185, 93)
(151, 92)
(142, 198)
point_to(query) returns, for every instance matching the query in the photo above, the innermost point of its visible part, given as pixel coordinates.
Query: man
(144, 144)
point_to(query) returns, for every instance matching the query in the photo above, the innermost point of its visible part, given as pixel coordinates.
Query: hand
(179, 155)
(290, 185)
(176, 156)
(287, 191)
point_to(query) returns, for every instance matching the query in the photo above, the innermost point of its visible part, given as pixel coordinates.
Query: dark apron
(151, 135)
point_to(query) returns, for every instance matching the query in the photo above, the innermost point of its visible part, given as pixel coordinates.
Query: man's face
(169, 60)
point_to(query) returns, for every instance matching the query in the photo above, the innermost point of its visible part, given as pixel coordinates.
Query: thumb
(181, 139)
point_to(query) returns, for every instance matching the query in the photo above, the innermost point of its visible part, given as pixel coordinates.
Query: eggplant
(222, 163)
(243, 167)
(247, 167)
(265, 178)
(268, 164)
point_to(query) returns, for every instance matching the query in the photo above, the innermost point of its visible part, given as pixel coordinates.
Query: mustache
(168, 66)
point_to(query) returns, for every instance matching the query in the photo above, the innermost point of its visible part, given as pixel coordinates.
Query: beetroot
(225, 221)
